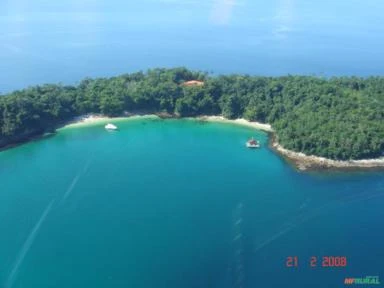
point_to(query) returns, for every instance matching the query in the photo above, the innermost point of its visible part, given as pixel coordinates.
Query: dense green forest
(338, 118)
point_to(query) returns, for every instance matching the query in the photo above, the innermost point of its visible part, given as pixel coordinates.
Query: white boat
(110, 127)
(252, 143)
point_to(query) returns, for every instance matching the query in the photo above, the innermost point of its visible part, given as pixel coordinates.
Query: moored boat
(110, 127)
(252, 143)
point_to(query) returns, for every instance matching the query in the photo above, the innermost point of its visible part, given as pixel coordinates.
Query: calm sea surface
(179, 203)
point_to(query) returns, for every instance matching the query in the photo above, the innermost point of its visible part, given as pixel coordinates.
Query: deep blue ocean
(65, 41)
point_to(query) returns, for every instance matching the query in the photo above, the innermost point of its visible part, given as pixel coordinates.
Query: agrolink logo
(368, 280)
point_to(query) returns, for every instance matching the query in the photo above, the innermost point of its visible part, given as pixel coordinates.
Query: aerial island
(314, 121)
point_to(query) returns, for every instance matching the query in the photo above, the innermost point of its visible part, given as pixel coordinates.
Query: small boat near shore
(252, 143)
(111, 127)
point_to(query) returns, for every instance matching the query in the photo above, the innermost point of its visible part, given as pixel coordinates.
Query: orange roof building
(193, 83)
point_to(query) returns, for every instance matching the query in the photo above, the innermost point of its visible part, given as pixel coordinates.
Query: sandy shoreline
(91, 119)
(240, 121)
(301, 160)
(95, 119)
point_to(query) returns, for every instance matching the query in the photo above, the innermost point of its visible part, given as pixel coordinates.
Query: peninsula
(338, 121)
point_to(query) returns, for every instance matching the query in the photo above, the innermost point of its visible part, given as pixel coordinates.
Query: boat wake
(27, 246)
(238, 274)
(76, 179)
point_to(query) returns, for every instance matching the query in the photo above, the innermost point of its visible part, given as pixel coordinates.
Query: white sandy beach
(95, 119)
(240, 121)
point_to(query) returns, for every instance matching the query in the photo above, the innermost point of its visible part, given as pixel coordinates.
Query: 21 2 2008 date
(326, 261)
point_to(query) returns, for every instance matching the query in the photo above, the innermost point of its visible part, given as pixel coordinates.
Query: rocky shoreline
(305, 162)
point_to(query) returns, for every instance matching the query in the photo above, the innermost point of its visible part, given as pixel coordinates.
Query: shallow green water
(179, 203)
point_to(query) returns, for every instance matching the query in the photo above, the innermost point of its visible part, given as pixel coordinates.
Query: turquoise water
(179, 203)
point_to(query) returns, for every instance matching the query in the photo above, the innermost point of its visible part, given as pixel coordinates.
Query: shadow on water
(34, 139)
